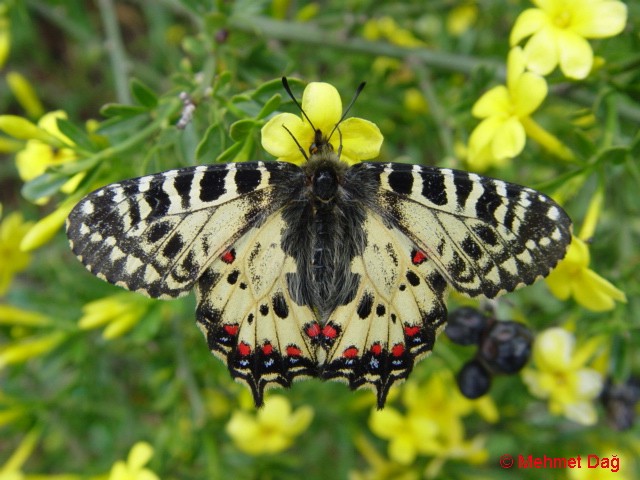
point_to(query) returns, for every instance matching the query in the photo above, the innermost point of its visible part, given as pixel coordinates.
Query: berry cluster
(620, 401)
(504, 347)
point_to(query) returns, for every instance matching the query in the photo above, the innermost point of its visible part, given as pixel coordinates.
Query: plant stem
(309, 33)
(115, 48)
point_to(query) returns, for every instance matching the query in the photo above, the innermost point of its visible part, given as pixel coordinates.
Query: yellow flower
(361, 139)
(409, 435)
(272, 430)
(561, 375)
(432, 424)
(573, 278)
(12, 260)
(559, 29)
(505, 111)
(37, 155)
(133, 468)
(120, 313)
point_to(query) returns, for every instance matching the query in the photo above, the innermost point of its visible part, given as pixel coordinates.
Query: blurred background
(100, 383)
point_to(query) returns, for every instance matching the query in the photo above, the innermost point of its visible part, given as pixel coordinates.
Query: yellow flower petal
(583, 413)
(385, 423)
(596, 293)
(553, 348)
(510, 141)
(402, 450)
(541, 52)
(361, 140)
(576, 55)
(300, 420)
(140, 455)
(496, 101)
(558, 284)
(321, 102)
(527, 23)
(588, 383)
(275, 412)
(600, 19)
(528, 92)
(516, 64)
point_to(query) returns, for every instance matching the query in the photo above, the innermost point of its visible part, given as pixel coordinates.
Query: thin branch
(115, 48)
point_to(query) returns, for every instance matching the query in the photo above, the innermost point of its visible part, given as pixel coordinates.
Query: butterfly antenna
(285, 84)
(304, 154)
(346, 110)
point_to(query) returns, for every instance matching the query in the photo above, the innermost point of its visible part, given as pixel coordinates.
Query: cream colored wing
(249, 318)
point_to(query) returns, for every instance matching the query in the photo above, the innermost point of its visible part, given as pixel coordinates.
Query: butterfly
(322, 269)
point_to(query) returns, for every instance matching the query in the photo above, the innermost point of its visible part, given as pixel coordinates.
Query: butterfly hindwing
(248, 316)
(395, 316)
(157, 234)
(485, 236)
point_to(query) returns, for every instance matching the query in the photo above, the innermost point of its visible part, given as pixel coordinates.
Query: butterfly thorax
(326, 238)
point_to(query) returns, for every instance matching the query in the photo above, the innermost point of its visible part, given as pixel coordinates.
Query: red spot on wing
(229, 256)
(293, 351)
(267, 349)
(244, 349)
(397, 350)
(418, 257)
(376, 349)
(411, 331)
(351, 352)
(232, 329)
(330, 331)
(312, 329)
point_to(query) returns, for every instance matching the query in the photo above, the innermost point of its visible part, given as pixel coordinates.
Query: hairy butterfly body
(321, 270)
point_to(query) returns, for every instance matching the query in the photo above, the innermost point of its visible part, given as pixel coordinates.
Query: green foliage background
(125, 63)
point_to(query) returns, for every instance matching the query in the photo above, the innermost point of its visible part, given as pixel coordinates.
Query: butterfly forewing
(485, 236)
(157, 234)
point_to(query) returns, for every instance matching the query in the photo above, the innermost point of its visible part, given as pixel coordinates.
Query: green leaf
(241, 98)
(268, 89)
(76, 134)
(211, 144)
(143, 94)
(270, 106)
(221, 81)
(120, 110)
(238, 152)
(70, 168)
(44, 185)
(612, 156)
(242, 129)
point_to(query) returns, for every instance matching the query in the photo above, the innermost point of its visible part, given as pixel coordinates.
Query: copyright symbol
(506, 461)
